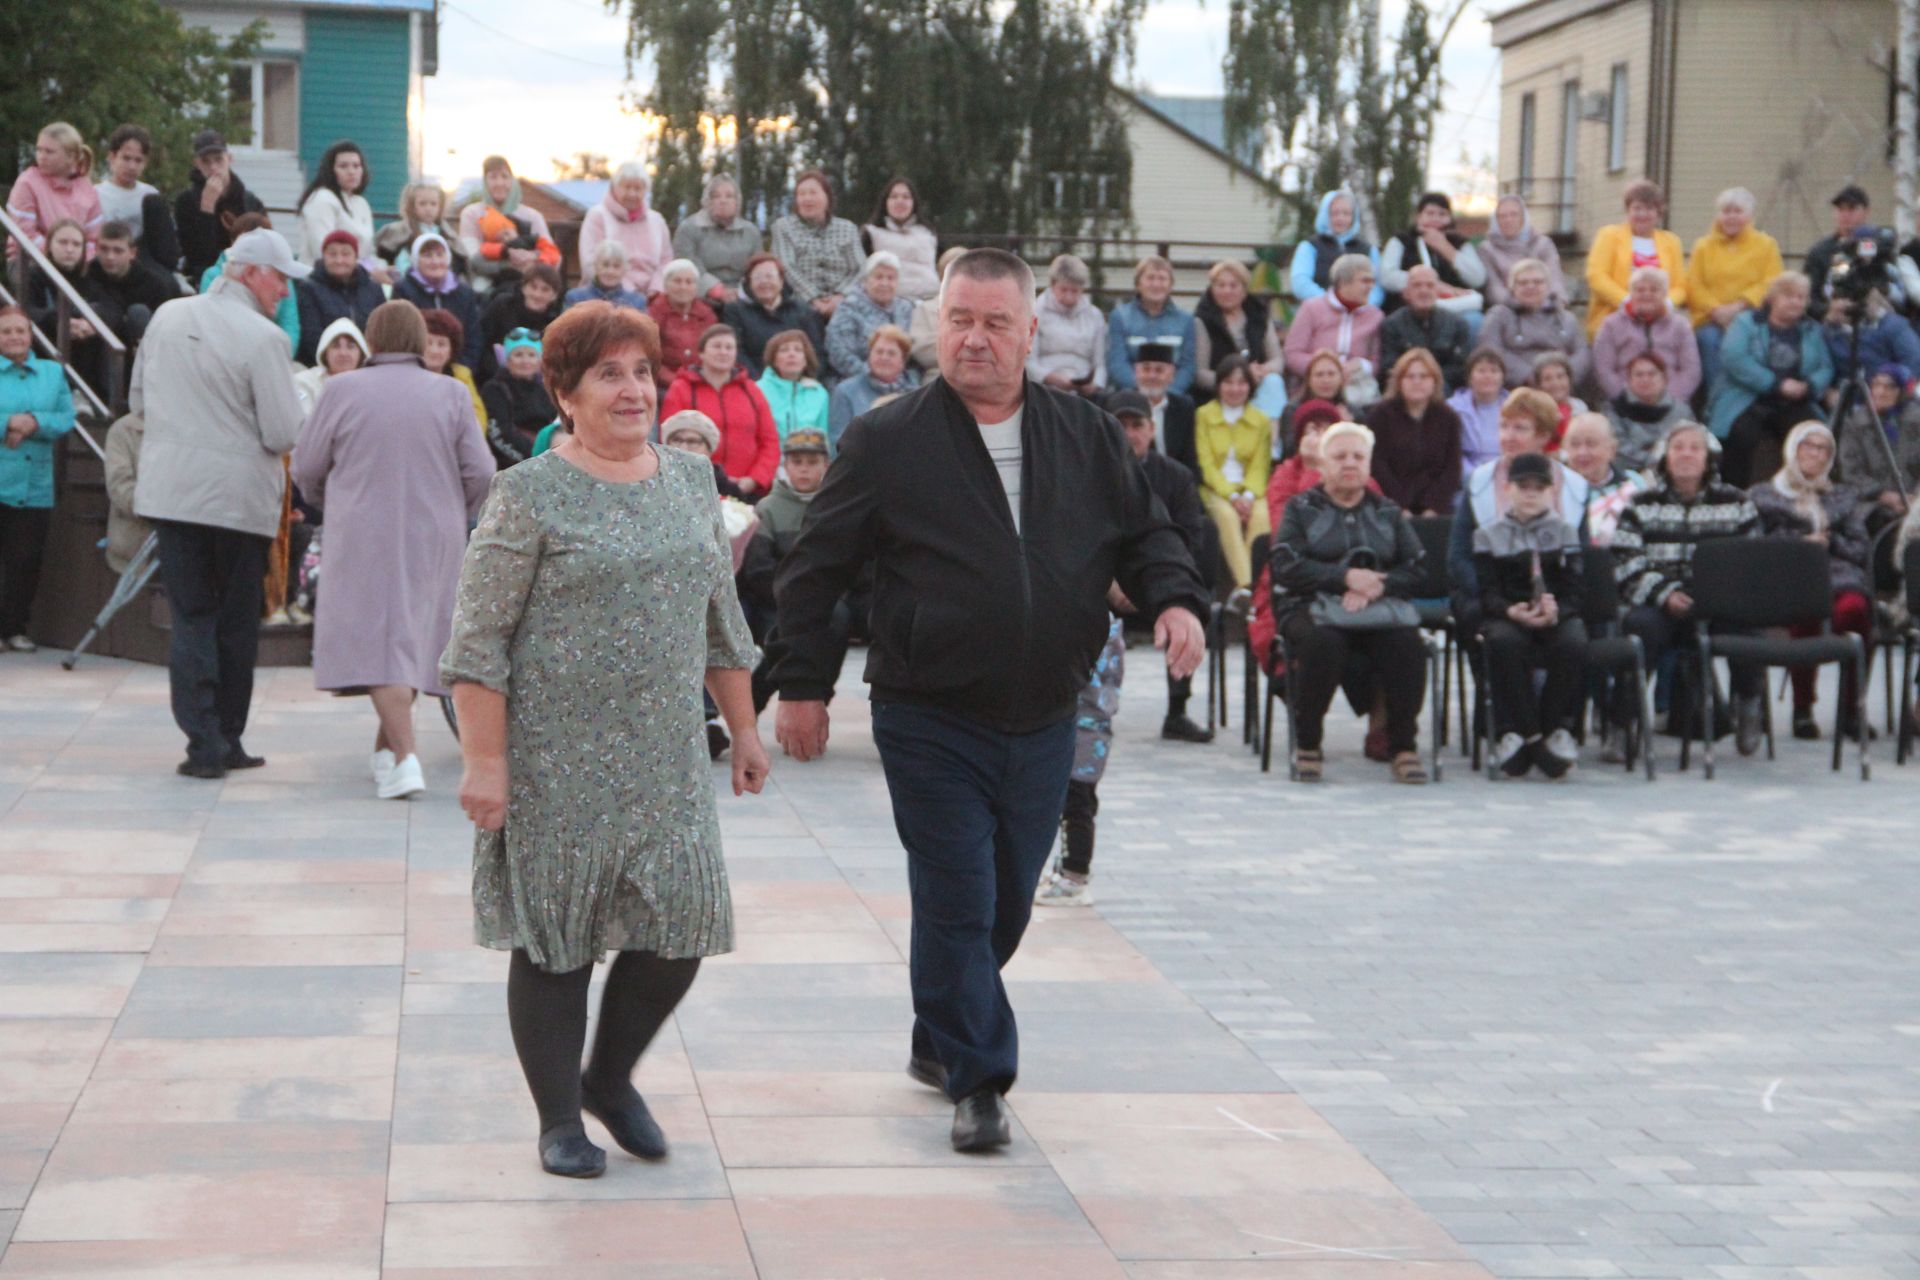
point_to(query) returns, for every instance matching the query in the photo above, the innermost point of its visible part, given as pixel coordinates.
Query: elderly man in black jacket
(997, 513)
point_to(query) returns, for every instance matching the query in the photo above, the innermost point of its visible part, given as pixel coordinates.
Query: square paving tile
(592, 1240)
(292, 1000)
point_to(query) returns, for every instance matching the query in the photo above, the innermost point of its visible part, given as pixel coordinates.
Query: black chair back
(1910, 567)
(1761, 582)
(1885, 574)
(1434, 533)
(1599, 589)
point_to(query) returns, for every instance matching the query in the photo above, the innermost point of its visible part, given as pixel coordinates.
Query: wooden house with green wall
(328, 69)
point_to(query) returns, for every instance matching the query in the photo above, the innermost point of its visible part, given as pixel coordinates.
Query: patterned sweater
(1653, 545)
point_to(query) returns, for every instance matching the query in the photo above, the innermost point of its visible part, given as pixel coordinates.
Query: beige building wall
(1583, 50)
(1786, 99)
(1185, 193)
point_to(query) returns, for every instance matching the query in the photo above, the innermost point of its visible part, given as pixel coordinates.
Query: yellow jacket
(1610, 266)
(1250, 440)
(464, 376)
(1722, 270)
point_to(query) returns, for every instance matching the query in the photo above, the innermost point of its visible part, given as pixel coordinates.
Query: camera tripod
(1854, 390)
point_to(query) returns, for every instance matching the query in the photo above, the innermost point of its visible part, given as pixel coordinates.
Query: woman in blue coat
(1774, 368)
(36, 409)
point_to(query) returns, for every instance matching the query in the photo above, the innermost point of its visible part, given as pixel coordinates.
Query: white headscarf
(1807, 493)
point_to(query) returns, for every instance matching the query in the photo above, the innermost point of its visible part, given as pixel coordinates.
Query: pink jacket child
(57, 187)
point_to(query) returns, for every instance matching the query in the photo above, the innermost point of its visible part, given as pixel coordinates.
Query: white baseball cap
(265, 247)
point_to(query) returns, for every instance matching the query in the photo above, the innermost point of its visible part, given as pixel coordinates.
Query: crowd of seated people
(1453, 358)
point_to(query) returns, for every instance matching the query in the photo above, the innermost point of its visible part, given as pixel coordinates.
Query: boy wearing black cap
(1528, 562)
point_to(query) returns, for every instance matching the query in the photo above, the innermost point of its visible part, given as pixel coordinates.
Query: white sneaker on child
(1510, 755)
(1561, 745)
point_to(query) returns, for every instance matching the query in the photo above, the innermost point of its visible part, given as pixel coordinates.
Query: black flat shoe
(630, 1124)
(980, 1122)
(200, 769)
(927, 1072)
(1804, 727)
(1181, 728)
(239, 759)
(567, 1152)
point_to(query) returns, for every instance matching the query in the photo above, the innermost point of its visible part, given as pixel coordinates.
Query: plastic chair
(1910, 569)
(1756, 583)
(1434, 599)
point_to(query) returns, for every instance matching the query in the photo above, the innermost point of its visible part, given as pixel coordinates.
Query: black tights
(548, 1014)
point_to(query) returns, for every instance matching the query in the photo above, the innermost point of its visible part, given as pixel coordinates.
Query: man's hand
(748, 485)
(1117, 600)
(801, 728)
(1679, 604)
(1180, 634)
(210, 194)
(750, 763)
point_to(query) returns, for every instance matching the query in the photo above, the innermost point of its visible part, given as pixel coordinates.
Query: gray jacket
(125, 530)
(214, 385)
(721, 253)
(1521, 336)
(1863, 463)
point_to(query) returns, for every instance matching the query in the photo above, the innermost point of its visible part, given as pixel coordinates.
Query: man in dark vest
(996, 512)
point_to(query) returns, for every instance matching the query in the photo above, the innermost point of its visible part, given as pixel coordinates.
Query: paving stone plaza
(1353, 1032)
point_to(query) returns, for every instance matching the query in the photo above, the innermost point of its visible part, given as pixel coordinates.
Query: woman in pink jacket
(1648, 322)
(1341, 320)
(57, 187)
(624, 216)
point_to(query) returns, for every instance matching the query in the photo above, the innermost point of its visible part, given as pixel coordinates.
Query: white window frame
(257, 124)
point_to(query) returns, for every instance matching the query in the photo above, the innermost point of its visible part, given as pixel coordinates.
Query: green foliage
(1000, 113)
(98, 64)
(582, 164)
(1305, 79)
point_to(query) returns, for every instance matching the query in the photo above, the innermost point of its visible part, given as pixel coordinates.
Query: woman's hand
(750, 763)
(1354, 601)
(1368, 584)
(1793, 389)
(1242, 506)
(483, 793)
(748, 485)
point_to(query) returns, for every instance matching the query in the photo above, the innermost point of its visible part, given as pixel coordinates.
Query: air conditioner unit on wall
(1595, 105)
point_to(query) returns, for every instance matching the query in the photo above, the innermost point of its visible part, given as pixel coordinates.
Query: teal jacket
(39, 388)
(1745, 377)
(286, 315)
(794, 404)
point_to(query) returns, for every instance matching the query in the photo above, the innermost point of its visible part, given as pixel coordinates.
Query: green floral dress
(595, 608)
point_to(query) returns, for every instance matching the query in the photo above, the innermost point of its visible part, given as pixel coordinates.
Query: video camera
(1862, 265)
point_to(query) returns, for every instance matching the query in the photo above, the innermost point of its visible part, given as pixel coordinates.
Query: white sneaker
(20, 644)
(1058, 889)
(1560, 745)
(1510, 755)
(381, 762)
(405, 779)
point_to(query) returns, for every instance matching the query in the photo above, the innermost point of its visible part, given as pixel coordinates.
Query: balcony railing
(1550, 203)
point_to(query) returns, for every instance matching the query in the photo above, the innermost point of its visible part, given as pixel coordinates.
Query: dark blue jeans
(976, 810)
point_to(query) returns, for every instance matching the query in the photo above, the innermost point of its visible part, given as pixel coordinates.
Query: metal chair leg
(1446, 686)
(1643, 700)
(1266, 733)
(1704, 703)
(1903, 740)
(1436, 724)
(1860, 710)
(1460, 683)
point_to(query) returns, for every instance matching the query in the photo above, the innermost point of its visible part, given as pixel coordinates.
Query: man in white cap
(214, 386)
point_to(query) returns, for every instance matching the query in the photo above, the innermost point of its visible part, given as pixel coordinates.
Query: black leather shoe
(200, 769)
(239, 759)
(1181, 728)
(629, 1124)
(927, 1072)
(567, 1152)
(980, 1122)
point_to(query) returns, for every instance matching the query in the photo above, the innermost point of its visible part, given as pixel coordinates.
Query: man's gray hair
(1347, 266)
(634, 169)
(609, 253)
(1070, 269)
(993, 264)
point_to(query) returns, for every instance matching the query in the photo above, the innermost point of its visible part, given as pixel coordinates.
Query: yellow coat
(1610, 267)
(464, 376)
(1250, 440)
(1722, 271)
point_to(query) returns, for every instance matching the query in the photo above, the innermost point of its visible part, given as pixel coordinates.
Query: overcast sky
(555, 85)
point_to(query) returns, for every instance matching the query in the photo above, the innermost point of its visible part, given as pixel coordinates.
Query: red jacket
(749, 442)
(679, 335)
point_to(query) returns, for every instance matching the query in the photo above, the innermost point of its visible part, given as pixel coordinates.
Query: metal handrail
(52, 273)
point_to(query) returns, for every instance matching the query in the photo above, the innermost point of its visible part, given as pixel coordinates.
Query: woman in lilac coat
(391, 455)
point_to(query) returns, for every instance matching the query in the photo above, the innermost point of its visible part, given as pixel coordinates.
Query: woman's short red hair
(585, 334)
